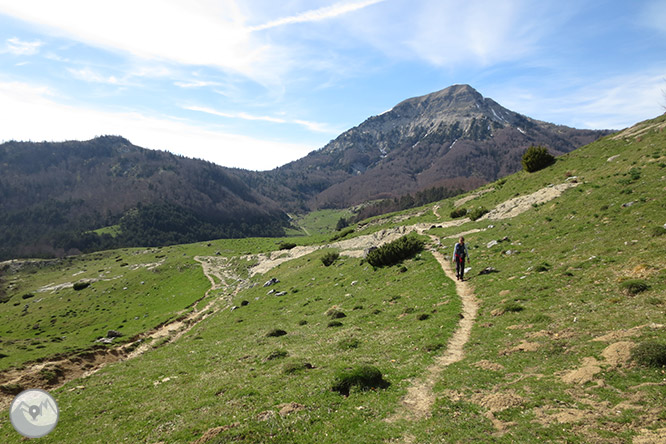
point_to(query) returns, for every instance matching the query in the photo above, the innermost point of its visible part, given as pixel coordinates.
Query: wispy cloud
(312, 126)
(88, 75)
(25, 104)
(314, 15)
(17, 46)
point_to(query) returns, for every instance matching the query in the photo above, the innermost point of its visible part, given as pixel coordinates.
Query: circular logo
(34, 413)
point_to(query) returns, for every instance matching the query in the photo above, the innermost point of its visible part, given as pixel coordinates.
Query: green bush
(276, 332)
(81, 285)
(328, 258)
(544, 266)
(395, 252)
(335, 324)
(476, 213)
(276, 354)
(364, 377)
(536, 158)
(658, 231)
(344, 233)
(348, 343)
(335, 314)
(650, 354)
(458, 212)
(513, 307)
(634, 286)
(286, 245)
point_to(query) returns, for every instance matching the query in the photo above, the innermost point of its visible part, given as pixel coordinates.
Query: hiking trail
(418, 401)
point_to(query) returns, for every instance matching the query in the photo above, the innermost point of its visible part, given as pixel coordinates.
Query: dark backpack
(460, 252)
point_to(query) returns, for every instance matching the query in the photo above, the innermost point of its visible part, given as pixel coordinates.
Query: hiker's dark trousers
(460, 267)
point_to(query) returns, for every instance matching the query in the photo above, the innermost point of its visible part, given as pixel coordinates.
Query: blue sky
(258, 83)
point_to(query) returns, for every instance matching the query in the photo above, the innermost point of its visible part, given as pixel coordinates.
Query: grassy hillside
(569, 287)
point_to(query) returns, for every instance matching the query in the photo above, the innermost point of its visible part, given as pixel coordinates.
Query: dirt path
(71, 367)
(420, 397)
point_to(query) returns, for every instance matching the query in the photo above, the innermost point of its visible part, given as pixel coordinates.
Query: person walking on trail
(460, 253)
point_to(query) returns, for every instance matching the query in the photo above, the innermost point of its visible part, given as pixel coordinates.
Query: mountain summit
(454, 138)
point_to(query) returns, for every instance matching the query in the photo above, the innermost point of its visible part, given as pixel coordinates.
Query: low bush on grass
(335, 324)
(476, 213)
(536, 158)
(544, 266)
(329, 258)
(81, 285)
(344, 233)
(286, 245)
(276, 332)
(348, 343)
(295, 367)
(632, 287)
(513, 307)
(423, 317)
(334, 313)
(276, 354)
(458, 212)
(658, 231)
(364, 377)
(395, 252)
(650, 354)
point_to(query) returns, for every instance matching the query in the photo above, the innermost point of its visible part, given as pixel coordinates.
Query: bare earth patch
(518, 205)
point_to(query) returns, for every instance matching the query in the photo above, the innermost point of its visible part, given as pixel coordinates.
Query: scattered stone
(492, 244)
(628, 204)
(612, 158)
(488, 270)
(270, 291)
(354, 283)
(280, 293)
(113, 334)
(266, 416)
(289, 408)
(271, 281)
(105, 340)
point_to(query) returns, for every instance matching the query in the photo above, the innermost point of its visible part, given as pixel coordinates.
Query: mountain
(454, 138)
(53, 194)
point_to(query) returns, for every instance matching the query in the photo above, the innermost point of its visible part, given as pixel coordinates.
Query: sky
(257, 83)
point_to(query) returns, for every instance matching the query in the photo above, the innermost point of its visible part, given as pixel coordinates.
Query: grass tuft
(364, 377)
(650, 354)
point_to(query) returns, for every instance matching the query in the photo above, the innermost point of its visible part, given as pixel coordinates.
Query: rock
(271, 281)
(612, 158)
(488, 270)
(354, 283)
(280, 293)
(113, 334)
(270, 291)
(105, 340)
(628, 204)
(491, 244)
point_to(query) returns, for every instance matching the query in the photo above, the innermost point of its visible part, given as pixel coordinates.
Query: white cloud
(31, 113)
(613, 103)
(312, 126)
(206, 32)
(88, 75)
(315, 15)
(17, 46)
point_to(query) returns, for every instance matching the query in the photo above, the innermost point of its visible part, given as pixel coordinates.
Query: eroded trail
(70, 367)
(418, 402)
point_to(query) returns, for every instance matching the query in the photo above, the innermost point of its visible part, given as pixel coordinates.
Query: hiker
(460, 253)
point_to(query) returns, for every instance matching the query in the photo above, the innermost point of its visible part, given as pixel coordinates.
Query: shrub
(433, 346)
(302, 322)
(423, 317)
(293, 367)
(28, 296)
(335, 324)
(634, 286)
(544, 266)
(395, 252)
(344, 233)
(11, 389)
(458, 212)
(476, 213)
(658, 231)
(650, 354)
(328, 258)
(286, 245)
(335, 314)
(81, 285)
(276, 354)
(348, 343)
(536, 158)
(513, 307)
(276, 332)
(364, 377)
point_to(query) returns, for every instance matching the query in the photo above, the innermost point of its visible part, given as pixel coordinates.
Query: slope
(52, 195)
(548, 357)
